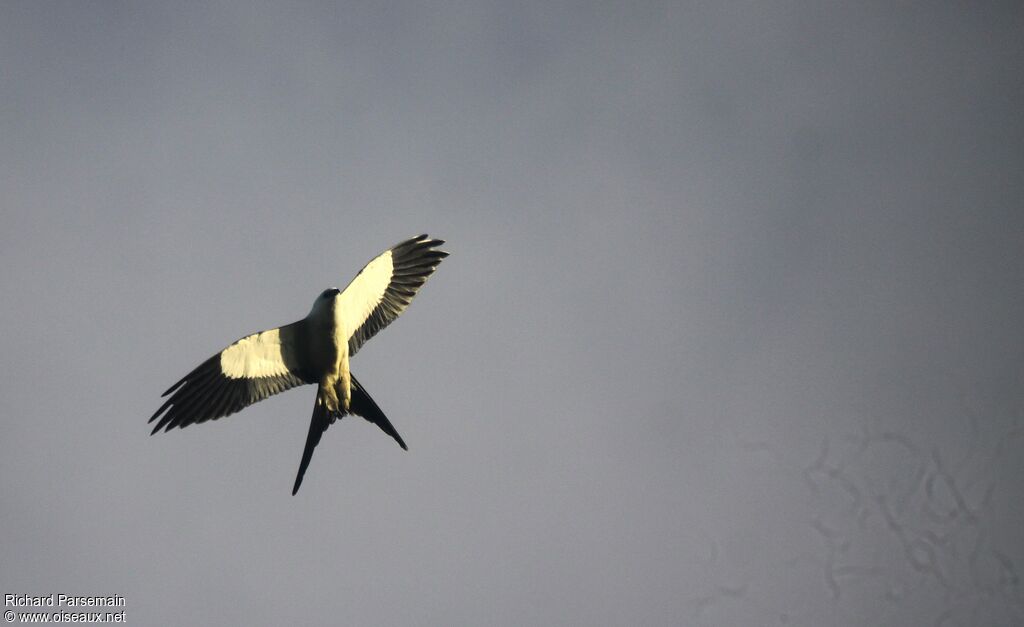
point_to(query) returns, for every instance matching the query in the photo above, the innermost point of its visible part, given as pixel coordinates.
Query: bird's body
(314, 350)
(331, 349)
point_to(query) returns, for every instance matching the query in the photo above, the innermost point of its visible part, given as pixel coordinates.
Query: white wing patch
(253, 357)
(364, 293)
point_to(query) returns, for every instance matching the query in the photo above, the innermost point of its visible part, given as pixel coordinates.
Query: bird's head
(322, 304)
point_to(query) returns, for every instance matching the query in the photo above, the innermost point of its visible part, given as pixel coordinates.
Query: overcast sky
(730, 333)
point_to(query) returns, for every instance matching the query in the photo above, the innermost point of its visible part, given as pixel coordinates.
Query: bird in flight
(316, 349)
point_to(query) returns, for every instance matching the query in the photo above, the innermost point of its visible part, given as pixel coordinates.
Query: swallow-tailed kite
(316, 349)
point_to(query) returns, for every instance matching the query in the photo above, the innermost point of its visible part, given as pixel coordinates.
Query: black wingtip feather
(166, 404)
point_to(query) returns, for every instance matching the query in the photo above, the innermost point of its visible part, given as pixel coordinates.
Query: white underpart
(341, 334)
(255, 356)
(363, 294)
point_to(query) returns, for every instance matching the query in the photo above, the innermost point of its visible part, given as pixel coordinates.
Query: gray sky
(730, 333)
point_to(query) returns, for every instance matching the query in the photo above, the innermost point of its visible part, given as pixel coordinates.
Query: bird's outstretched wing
(362, 405)
(384, 287)
(248, 371)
